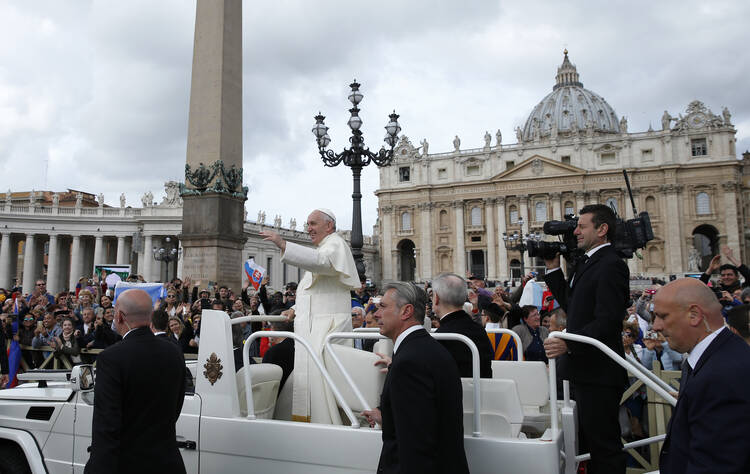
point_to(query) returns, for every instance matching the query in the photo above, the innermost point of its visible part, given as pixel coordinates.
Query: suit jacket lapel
(597, 255)
(718, 341)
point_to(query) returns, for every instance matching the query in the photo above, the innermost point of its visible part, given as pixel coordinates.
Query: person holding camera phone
(595, 300)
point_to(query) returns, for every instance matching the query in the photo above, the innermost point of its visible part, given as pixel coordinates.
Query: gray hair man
(448, 296)
(422, 384)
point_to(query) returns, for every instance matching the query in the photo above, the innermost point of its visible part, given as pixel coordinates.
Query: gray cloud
(99, 91)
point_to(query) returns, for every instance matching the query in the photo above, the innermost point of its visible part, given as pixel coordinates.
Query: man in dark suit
(421, 408)
(140, 388)
(448, 297)
(708, 429)
(595, 300)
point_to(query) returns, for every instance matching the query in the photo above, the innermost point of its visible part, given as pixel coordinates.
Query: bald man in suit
(140, 388)
(708, 429)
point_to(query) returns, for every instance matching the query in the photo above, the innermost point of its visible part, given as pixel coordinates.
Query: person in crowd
(448, 296)
(159, 326)
(545, 320)
(323, 306)
(558, 320)
(66, 343)
(134, 429)
(707, 431)
(655, 347)
(503, 345)
(290, 295)
(594, 299)
(85, 300)
(629, 336)
(421, 408)
(532, 334)
(62, 299)
(108, 316)
(4, 366)
(358, 321)
(493, 317)
(46, 331)
(729, 273)
(105, 302)
(183, 333)
(238, 305)
(237, 342)
(25, 335)
(281, 351)
(39, 294)
(85, 332)
(739, 322)
(170, 304)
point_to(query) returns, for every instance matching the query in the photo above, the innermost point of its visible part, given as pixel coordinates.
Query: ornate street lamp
(356, 157)
(518, 241)
(167, 253)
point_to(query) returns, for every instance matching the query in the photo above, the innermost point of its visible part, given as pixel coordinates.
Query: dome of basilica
(570, 109)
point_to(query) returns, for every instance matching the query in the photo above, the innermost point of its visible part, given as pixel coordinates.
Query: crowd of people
(74, 324)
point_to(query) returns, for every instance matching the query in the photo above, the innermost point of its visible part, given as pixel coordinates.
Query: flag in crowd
(254, 273)
(155, 290)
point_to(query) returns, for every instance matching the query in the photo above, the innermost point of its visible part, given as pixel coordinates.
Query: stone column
(29, 261)
(122, 258)
(502, 253)
(731, 219)
(460, 263)
(524, 212)
(556, 206)
(98, 250)
(673, 231)
(427, 252)
(213, 216)
(580, 196)
(75, 262)
(386, 247)
(5, 279)
(148, 259)
(53, 265)
(489, 209)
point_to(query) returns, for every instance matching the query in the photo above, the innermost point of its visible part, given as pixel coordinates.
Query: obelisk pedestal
(213, 196)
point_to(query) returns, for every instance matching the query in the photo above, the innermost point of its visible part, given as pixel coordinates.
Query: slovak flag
(254, 273)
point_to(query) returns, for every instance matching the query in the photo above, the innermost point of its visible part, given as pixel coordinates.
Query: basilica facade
(466, 210)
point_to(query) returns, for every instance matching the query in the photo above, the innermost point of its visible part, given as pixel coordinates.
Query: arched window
(540, 212)
(612, 203)
(569, 208)
(513, 214)
(443, 219)
(651, 206)
(405, 221)
(476, 216)
(702, 204)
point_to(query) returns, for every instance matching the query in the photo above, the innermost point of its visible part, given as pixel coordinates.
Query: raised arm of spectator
(712, 267)
(741, 267)
(263, 295)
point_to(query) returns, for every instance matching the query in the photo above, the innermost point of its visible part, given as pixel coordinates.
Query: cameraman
(595, 300)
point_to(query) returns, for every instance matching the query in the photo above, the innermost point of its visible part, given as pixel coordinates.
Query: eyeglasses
(627, 334)
(28, 319)
(170, 296)
(41, 284)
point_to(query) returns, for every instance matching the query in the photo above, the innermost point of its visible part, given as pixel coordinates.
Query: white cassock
(323, 305)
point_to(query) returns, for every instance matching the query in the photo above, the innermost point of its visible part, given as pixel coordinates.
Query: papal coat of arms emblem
(213, 368)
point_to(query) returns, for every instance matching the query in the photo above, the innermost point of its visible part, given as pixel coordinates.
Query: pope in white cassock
(323, 306)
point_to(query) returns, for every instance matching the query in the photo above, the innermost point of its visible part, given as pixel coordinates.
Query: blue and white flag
(155, 290)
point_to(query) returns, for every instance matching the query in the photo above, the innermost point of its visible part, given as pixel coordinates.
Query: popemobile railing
(660, 388)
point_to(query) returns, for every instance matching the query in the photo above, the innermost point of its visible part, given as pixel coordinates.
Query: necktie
(579, 265)
(687, 371)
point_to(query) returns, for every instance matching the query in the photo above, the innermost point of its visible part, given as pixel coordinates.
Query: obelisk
(213, 195)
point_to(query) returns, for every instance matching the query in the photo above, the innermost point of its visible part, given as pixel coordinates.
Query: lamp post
(356, 157)
(167, 253)
(518, 241)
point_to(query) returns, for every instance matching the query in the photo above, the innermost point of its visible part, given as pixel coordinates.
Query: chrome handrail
(259, 319)
(313, 356)
(439, 336)
(620, 361)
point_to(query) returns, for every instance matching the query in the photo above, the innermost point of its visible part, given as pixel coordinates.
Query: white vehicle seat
(533, 389)
(383, 346)
(501, 411)
(266, 379)
(360, 365)
(283, 410)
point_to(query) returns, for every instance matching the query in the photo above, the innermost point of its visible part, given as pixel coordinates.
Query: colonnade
(62, 259)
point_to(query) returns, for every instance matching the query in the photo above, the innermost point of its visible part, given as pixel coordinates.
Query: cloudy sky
(94, 94)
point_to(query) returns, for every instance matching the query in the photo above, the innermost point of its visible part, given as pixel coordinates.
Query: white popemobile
(45, 425)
